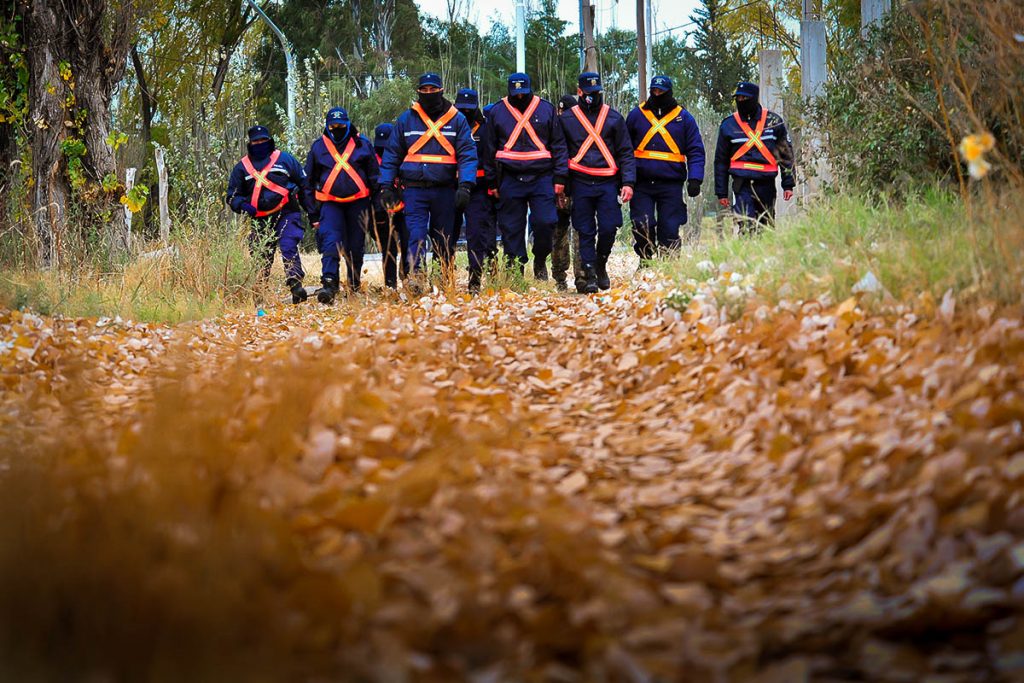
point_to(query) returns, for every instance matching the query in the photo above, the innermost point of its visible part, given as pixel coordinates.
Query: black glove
(462, 195)
(390, 197)
(693, 187)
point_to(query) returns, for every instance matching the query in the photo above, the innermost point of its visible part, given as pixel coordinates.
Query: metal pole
(521, 36)
(641, 48)
(291, 81)
(649, 30)
(583, 40)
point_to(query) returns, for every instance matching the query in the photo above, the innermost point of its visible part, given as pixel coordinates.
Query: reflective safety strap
(341, 164)
(593, 138)
(658, 128)
(754, 140)
(433, 132)
(523, 125)
(261, 180)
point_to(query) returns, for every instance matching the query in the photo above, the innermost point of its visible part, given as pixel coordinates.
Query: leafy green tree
(720, 60)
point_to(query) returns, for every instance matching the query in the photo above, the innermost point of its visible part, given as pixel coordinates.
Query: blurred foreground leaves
(515, 488)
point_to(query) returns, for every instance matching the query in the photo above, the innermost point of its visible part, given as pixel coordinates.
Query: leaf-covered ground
(520, 487)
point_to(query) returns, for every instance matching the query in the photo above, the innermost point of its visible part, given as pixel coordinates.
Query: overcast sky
(667, 13)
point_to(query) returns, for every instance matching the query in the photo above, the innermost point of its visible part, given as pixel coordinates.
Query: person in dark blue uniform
(669, 154)
(602, 172)
(342, 168)
(432, 156)
(389, 226)
(525, 165)
(566, 241)
(479, 215)
(269, 185)
(753, 148)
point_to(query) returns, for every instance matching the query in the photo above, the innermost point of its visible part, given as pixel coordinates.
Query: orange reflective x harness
(754, 140)
(658, 128)
(401, 205)
(479, 170)
(523, 124)
(593, 138)
(261, 180)
(433, 132)
(341, 164)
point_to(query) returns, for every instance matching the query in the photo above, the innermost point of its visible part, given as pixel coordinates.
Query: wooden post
(165, 216)
(589, 44)
(129, 183)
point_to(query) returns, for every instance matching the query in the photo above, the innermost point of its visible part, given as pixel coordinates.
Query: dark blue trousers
(342, 234)
(282, 230)
(393, 239)
(429, 212)
(657, 210)
(755, 199)
(481, 224)
(514, 197)
(597, 216)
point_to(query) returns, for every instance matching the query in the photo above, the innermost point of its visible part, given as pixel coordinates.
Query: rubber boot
(603, 282)
(328, 291)
(590, 276)
(298, 291)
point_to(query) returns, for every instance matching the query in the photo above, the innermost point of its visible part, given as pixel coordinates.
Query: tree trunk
(76, 53)
(147, 103)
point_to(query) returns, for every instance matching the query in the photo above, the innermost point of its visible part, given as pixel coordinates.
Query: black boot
(581, 283)
(474, 281)
(328, 291)
(602, 273)
(561, 286)
(540, 269)
(591, 279)
(298, 291)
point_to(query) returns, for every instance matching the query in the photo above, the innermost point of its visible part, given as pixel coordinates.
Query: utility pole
(641, 46)
(872, 12)
(291, 80)
(521, 36)
(588, 60)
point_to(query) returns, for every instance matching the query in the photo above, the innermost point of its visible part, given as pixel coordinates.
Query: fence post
(129, 183)
(165, 216)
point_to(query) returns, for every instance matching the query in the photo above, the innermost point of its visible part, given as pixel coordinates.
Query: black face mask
(520, 102)
(593, 101)
(661, 104)
(338, 134)
(432, 102)
(746, 108)
(260, 150)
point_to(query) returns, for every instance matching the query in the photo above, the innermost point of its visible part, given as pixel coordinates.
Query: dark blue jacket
(408, 129)
(615, 136)
(286, 172)
(479, 131)
(499, 126)
(320, 163)
(686, 134)
(731, 137)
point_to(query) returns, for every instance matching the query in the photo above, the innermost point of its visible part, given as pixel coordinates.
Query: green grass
(924, 246)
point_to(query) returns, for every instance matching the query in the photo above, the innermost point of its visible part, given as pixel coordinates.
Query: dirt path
(520, 487)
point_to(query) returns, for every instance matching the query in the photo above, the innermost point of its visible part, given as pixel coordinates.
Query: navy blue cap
(337, 115)
(381, 134)
(519, 84)
(430, 78)
(258, 133)
(747, 89)
(661, 83)
(467, 98)
(590, 82)
(567, 102)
